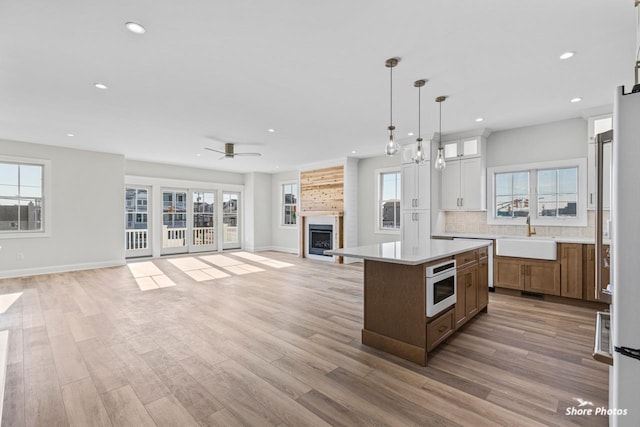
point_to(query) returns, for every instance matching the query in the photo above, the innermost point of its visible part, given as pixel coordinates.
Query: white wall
(87, 203)
(566, 139)
(367, 199)
(350, 224)
(257, 211)
(283, 238)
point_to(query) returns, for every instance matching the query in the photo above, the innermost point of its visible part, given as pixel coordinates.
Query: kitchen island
(396, 299)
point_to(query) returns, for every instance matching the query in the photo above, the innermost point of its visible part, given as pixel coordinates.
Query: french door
(174, 222)
(137, 230)
(203, 235)
(231, 220)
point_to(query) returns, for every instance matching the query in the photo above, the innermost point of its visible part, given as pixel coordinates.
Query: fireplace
(320, 239)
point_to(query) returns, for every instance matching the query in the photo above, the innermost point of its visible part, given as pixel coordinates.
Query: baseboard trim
(60, 268)
(280, 249)
(4, 355)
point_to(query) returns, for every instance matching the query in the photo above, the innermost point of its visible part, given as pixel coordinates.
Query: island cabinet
(395, 301)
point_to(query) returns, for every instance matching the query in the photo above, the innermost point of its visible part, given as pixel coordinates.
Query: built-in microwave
(440, 286)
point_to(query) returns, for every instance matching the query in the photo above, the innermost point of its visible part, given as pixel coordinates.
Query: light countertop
(582, 240)
(394, 252)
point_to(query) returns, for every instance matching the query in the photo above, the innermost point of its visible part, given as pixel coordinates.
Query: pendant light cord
(440, 132)
(390, 96)
(419, 115)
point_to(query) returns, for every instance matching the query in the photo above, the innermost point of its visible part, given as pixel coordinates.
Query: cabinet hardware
(461, 201)
(522, 271)
(591, 198)
(442, 328)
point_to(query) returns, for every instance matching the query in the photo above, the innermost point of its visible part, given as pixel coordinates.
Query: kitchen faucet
(529, 232)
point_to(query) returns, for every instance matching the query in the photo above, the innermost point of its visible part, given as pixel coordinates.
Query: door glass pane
(203, 218)
(230, 219)
(136, 219)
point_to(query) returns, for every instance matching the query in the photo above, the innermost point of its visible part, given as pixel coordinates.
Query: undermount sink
(527, 248)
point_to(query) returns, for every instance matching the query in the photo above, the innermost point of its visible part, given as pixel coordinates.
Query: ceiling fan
(229, 151)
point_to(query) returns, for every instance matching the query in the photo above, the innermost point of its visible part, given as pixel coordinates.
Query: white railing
(203, 236)
(230, 234)
(173, 237)
(136, 239)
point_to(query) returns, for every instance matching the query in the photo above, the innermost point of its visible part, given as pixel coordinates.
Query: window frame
(378, 229)
(283, 205)
(46, 215)
(580, 220)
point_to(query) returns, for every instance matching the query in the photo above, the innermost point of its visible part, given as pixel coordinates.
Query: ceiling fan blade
(247, 154)
(214, 150)
(222, 158)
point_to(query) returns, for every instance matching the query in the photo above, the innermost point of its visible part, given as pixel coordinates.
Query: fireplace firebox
(320, 239)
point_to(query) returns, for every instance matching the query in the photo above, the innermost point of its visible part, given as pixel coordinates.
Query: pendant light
(440, 164)
(392, 146)
(419, 157)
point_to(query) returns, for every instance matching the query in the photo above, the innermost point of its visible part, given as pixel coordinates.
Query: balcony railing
(203, 236)
(136, 239)
(173, 237)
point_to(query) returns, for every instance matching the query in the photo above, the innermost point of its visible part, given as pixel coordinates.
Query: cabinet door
(461, 294)
(483, 283)
(423, 183)
(409, 182)
(542, 277)
(470, 147)
(451, 186)
(590, 272)
(471, 184)
(407, 153)
(451, 149)
(409, 229)
(571, 270)
(508, 273)
(471, 292)
(423, 220)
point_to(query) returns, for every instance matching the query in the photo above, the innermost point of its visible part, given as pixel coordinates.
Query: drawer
(483, 252)
(439, 329)
(466, 258)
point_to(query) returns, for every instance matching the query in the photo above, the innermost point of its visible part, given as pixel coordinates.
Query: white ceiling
(313, 70)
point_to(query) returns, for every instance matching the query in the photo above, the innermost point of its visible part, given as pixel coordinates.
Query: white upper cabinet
(463, 183)
(463, 148)
(598, 124)
(408, 151)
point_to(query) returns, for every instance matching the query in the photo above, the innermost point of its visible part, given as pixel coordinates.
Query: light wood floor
(278, 347)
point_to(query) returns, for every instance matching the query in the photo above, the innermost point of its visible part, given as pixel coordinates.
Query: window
(21, 197)
(289, 203)
(136, 208)
(512, 194)
(552, 193)
(388, 208)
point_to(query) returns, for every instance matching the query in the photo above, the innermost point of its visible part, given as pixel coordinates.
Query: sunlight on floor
(262, 260)
(148, 276)
(7, 301)
(197, 270)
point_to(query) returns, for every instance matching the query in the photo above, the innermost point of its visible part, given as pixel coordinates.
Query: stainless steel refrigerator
(624, 288)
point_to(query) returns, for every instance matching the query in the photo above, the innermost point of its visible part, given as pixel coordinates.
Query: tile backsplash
(476, 222)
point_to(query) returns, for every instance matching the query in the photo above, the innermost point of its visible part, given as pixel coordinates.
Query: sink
(527, 248)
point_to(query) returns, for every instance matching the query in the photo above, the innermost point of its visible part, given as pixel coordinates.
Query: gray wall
(87, 206)
(283, 239)
(367, 199)
(159, 170)
(566, 139)
(257, 211)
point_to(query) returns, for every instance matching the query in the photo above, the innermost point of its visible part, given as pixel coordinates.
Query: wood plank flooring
(278, 346)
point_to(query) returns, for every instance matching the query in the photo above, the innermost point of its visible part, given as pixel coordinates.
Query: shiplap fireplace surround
(322, 195)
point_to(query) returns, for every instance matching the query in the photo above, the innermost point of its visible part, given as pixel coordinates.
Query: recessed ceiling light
(134, 27)
(70, 134)
(277, 167)
(353, 151)
(479, 119)
(577, 99)
(101, 86)
(271, 130)
(410, 134)
(567, 55)
(198, 155)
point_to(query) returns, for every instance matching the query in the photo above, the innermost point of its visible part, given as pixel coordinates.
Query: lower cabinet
(527, 275)
(466, 294)
(483, 283)
(439, 329)
(570, 270)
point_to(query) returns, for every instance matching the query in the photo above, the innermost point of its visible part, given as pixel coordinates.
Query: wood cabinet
(439, 329)
(466, 287)
(527, 275)
(589, 272)
(483, 282)
(570, 270)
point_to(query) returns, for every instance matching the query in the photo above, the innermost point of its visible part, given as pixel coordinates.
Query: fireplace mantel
(321, 213)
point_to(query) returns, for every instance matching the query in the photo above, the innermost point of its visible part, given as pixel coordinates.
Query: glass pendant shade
(420, 157)
(392, 146)
(440, 163)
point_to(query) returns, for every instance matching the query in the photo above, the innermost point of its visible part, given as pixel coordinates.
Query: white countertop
(394, 252)
(582, 240)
